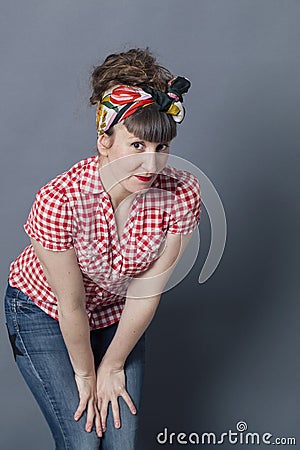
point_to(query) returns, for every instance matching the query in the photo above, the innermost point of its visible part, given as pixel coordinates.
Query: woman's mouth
(144, 179)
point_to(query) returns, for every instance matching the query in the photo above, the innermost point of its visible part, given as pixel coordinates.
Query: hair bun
(135, 67)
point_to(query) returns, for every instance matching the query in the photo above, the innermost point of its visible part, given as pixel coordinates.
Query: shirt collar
(90, 180)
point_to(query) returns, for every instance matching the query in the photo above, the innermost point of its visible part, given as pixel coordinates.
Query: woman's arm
(142, 299)
(64, 276)
(143, 296)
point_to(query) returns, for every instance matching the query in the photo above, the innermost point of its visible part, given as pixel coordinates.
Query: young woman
(105, 237)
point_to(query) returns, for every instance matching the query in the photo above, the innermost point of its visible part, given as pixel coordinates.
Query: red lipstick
(144, 179)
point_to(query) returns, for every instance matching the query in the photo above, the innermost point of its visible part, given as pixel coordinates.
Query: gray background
(227, 350)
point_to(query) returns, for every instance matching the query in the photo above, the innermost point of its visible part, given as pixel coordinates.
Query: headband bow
(122, 101)
(176, 88)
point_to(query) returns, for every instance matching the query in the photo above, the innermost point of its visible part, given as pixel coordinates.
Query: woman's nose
(149, 162)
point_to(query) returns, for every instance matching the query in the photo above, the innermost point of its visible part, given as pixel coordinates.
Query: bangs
(150, 124)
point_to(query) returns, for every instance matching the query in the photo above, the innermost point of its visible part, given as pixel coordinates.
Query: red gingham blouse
(74, 210)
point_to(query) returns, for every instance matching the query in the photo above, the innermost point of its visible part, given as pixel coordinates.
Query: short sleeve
(186, 212)
(50, 219)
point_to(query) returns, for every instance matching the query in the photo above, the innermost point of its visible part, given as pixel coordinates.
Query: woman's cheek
(130, 165)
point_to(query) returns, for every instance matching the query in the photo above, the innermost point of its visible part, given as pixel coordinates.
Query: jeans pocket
(12, 324)
(12, 335)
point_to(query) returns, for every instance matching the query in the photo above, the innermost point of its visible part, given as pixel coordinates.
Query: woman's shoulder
(180, 182)
(185, 198)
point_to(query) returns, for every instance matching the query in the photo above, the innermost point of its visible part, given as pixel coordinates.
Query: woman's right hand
(87, 389)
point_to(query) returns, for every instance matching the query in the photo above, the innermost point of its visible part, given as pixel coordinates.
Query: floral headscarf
(121, 101)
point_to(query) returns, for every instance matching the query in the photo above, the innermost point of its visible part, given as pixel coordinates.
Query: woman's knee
(76, 438)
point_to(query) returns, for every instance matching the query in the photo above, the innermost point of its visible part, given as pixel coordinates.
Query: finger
(80, 409)
(129, 401)
(90, 415)
(99, 403)
(103, 414)
(103, 417)
(116, 414)
(98, 422)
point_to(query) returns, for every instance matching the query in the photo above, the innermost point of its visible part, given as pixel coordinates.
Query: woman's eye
(159, 148)
(137, 145)
(162, 147)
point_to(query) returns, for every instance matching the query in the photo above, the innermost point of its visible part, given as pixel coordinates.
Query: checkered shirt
(74, 211)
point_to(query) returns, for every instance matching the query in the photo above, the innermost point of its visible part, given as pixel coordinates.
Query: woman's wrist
(85, 375)
(110, 363)
(84, 369)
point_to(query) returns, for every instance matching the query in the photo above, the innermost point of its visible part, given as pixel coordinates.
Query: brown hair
(136, 67)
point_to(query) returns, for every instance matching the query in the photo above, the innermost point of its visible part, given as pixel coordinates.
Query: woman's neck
(114, 189)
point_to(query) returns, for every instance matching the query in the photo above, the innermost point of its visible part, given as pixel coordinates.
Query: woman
(105, 236)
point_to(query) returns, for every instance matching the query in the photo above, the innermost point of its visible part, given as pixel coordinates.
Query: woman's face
(129, 164)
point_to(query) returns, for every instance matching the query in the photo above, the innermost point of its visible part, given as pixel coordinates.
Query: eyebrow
(136, 138)
(141, 141)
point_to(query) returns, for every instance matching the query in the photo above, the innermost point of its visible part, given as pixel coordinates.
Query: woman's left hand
(111, 385)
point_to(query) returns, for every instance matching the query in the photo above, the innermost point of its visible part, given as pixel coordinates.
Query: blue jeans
(42, 357)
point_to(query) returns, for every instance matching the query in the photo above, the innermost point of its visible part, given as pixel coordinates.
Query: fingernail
(117, 424)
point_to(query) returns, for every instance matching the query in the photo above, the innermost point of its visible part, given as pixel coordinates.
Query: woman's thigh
(43, 360)
(125, 437)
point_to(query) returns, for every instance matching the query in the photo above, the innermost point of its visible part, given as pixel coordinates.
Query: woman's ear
(103, 144)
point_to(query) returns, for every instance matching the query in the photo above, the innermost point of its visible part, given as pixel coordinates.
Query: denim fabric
(41, 355)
